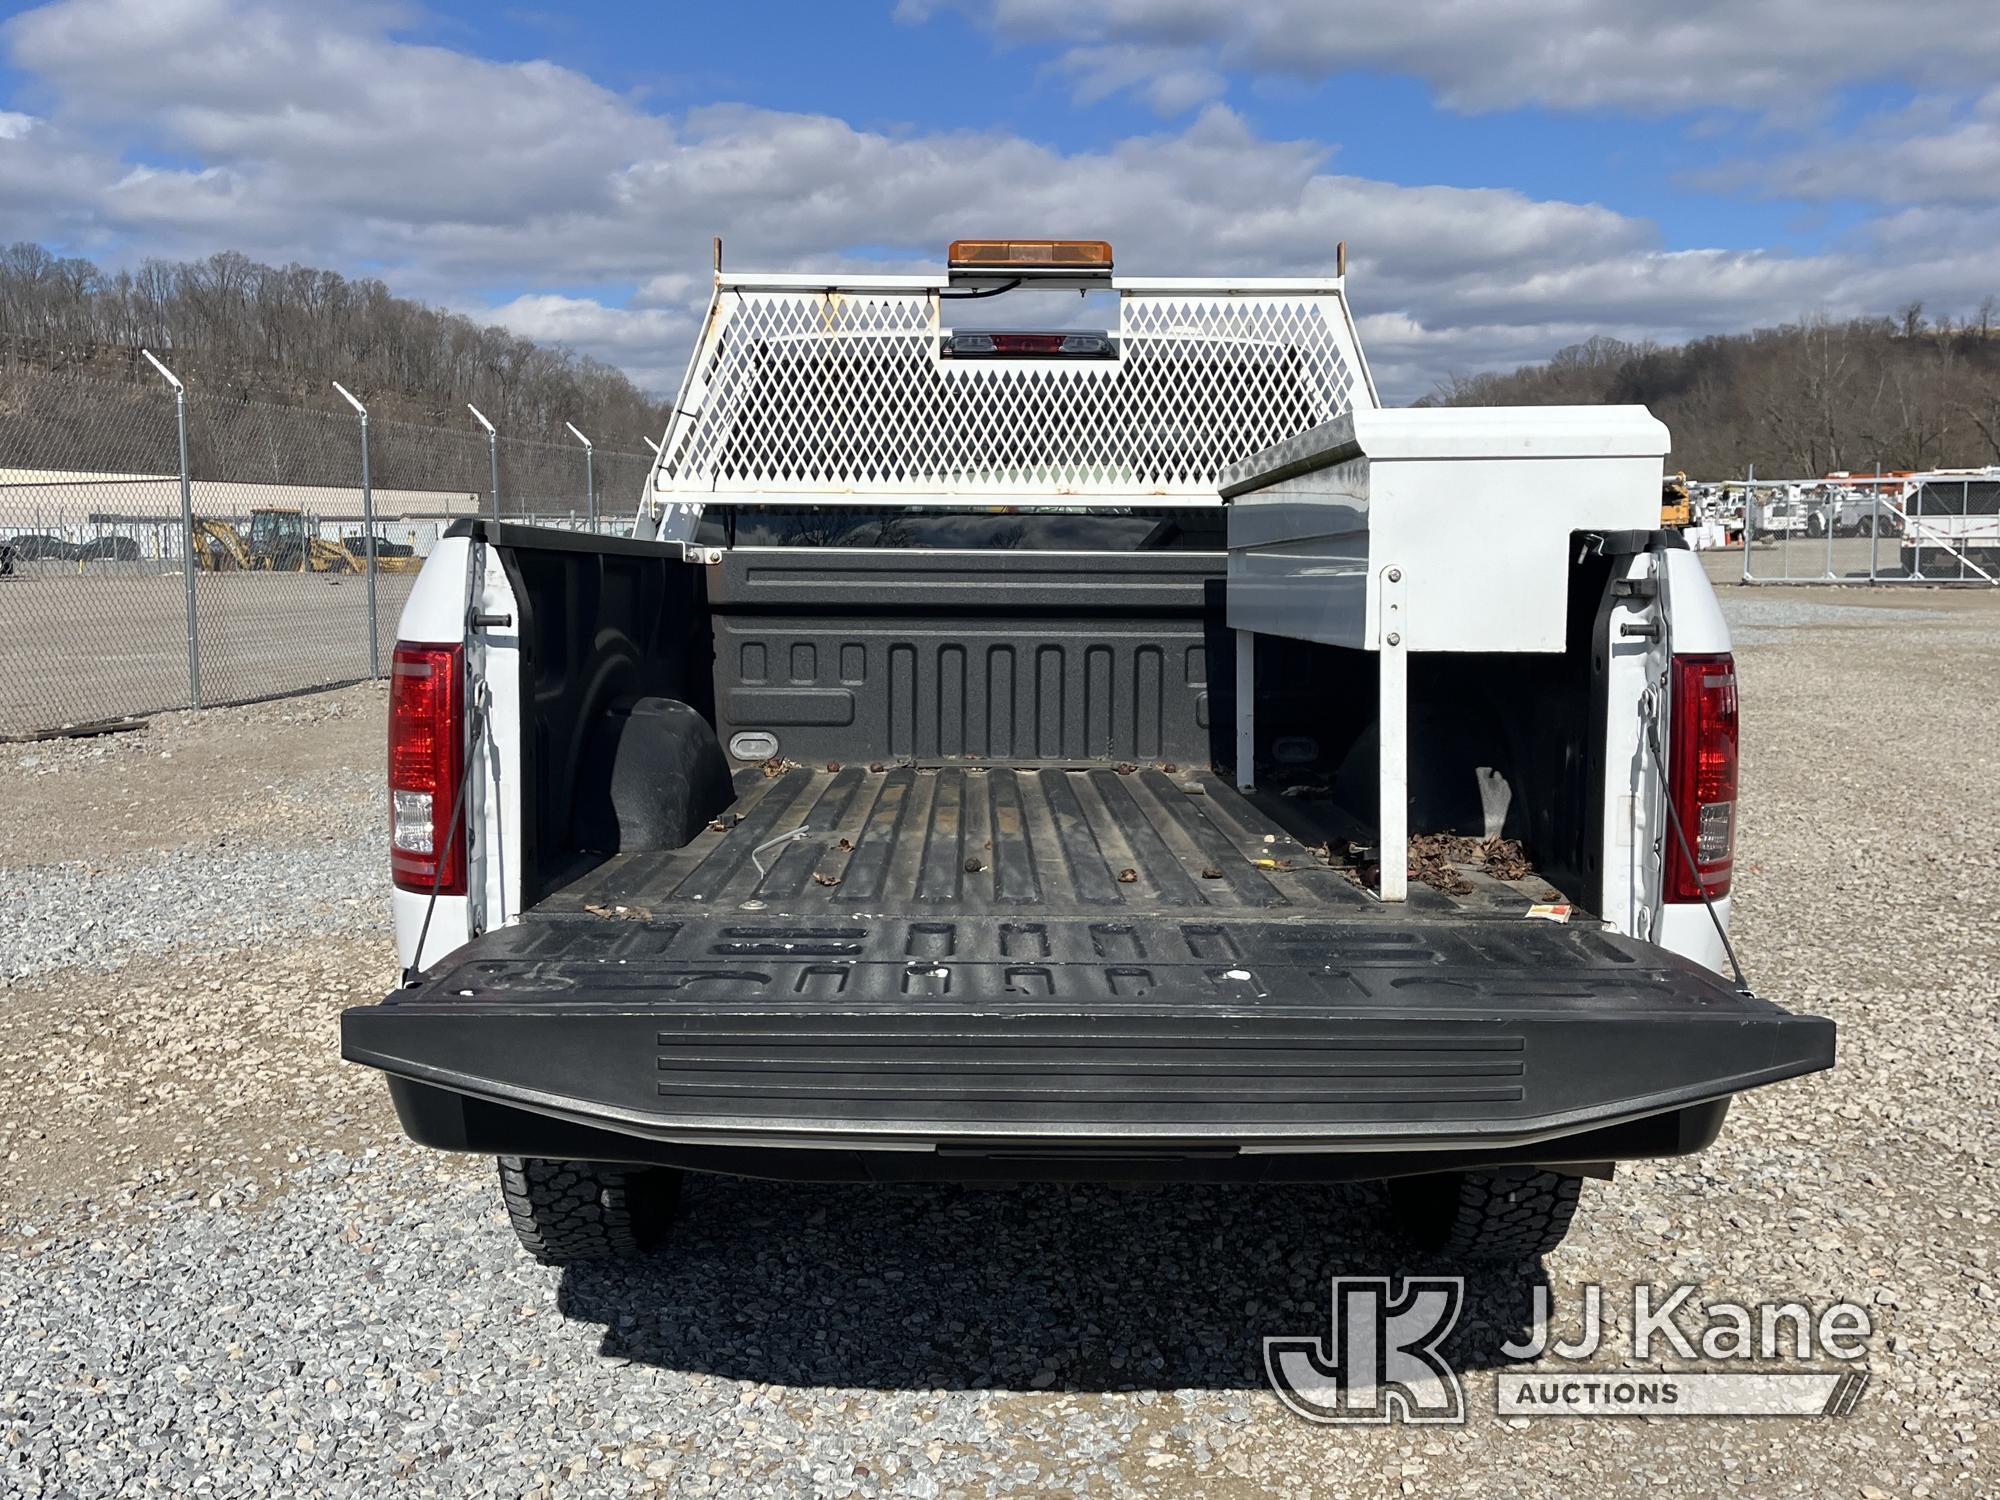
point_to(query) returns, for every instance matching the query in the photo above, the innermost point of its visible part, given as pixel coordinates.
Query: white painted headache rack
(809, 392)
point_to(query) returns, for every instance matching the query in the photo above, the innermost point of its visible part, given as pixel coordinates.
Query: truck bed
(1009, 958)
(942, 841)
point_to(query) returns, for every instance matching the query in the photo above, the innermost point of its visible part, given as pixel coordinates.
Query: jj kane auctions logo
(1380, 1359)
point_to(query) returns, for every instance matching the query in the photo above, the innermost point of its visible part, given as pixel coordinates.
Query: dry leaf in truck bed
(1211, 873)
(1433, 856)
(823, 879)
(1432, 866)
(1127, 876)
(619, 913)
(777, 765)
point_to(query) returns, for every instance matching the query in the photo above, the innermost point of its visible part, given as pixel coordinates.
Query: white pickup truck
(1062, 754)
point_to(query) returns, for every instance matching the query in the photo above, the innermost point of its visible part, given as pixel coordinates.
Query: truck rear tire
(1506, 1214)
(566, 1211)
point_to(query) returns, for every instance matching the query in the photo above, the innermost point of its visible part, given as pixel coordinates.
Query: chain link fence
(1927, 529)
(165, 547)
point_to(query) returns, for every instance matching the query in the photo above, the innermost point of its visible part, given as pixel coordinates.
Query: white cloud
(641, 341)
(1928, 153)
(315, 134)
(1626, 55)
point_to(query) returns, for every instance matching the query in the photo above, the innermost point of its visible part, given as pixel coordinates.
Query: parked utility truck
(1025, 753)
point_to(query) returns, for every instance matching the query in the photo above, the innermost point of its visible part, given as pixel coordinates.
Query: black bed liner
(972, 838)
(973, 971)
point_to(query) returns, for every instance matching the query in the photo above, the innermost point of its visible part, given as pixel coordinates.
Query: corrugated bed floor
(968, 838)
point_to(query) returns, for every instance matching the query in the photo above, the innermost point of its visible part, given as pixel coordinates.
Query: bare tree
(1806, 397)
(283, 333)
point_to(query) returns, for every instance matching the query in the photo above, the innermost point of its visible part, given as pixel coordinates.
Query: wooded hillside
(230, 324)
(1797, 400)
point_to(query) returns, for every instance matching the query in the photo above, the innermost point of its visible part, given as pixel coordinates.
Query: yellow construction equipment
(277, 543)
(218, 548)
(1676, 510)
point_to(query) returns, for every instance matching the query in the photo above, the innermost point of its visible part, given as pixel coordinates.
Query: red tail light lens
(1701, 775)
(426, 762)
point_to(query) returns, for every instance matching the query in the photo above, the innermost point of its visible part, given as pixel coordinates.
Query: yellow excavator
(277, 543)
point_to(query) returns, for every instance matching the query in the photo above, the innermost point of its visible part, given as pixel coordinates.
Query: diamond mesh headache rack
(801, 393)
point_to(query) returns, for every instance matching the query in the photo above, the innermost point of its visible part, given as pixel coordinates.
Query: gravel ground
(222, 1271)
(122, 846)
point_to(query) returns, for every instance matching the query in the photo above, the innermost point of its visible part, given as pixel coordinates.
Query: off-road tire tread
(566, 1211)
(1509, 1213)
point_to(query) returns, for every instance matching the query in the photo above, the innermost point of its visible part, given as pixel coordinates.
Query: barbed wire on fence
(97, 548)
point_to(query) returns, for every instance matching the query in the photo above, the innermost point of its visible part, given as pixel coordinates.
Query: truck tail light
(1701, 775)
(426, 765)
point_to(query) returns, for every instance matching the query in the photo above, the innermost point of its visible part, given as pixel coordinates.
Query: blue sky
(1513, 175)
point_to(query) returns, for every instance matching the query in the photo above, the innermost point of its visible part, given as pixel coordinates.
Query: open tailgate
(1347, 1035)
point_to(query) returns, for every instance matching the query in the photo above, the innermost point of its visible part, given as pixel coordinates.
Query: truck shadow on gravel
(1074, 1288)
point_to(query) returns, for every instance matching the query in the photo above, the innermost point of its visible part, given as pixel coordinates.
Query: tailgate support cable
(458, 799)
(1687, 851)
(477, 713)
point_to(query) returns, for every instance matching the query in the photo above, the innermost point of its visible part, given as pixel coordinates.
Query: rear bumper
(1545, 1045)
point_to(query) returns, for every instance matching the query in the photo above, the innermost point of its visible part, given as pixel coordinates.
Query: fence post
(589, 479)
(1749, 516)
(492, 454)
(368, 532)
(187, 531)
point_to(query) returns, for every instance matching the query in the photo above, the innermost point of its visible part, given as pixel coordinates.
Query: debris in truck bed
(822, 878)
(619, 913)
(777, 765)
(1434, 858)
(1432, 865)
(1127, 875)
(724, 823)
(1504, 859)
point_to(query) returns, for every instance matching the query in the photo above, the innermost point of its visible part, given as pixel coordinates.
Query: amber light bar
(1030, 255)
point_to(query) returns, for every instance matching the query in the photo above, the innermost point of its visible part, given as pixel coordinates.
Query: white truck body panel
(460, 579)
